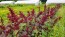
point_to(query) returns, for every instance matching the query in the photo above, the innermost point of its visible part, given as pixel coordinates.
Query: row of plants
(4, 6)
(35, 23)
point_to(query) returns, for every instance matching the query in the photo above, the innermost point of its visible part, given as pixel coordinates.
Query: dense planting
(35, 23)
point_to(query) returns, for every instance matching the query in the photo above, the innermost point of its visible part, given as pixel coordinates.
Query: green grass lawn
(59, 28)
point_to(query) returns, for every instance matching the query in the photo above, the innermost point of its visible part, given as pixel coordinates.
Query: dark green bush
(43, 1)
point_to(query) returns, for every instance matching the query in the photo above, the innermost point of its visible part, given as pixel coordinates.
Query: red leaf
(33, 12)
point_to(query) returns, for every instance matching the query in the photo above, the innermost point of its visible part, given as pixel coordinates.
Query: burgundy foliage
(32, 20)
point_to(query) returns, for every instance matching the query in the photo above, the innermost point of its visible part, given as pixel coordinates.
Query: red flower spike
(58, 18)
(44, 18)
(40, 13)
(33, 12)
(21, 21)
(7, 30)
(22, 15)
(28, 14)
(11, 11)
(2, 27)
(12, 16)
(16, 27)
(29, 18)
(27, 29)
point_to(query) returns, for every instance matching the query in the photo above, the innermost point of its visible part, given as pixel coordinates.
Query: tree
(43, 1)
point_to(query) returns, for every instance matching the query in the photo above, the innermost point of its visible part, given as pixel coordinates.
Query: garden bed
(56, 31)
